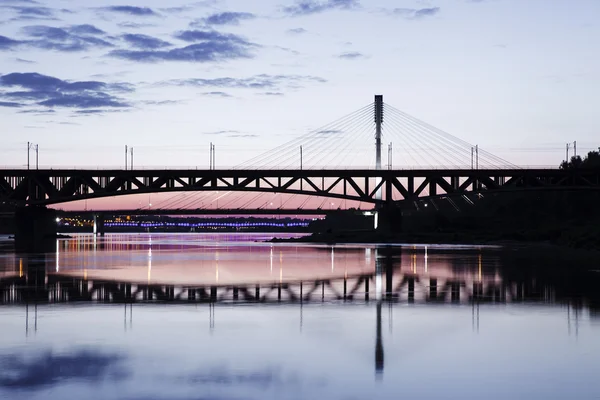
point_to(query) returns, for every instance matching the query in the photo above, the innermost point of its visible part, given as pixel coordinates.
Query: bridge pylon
(378, 128)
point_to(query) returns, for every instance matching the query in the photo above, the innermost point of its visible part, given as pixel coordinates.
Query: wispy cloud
(330, 132)
(131, 10)
(85, 29)
(351, 55)
(10, 104)
(7, 43)
(198, 53)
(224, 18)
(144, 41)
(296, 31)
(307, 7)
(33, 89)
(25, 13)
(224, 132)
(415, 13)
(24, 61)
(217, 94)
(64, 39)
(270, 83)
(208, 46)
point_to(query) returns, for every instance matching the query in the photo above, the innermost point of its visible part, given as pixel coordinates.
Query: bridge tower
(378, 126)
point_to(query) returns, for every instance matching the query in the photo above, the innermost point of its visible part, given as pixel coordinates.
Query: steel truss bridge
(377, 187)
(322, 163)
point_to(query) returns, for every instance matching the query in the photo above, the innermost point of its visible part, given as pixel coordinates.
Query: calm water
(178, 317)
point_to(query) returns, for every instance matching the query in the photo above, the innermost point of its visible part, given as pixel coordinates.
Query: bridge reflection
(398, 276)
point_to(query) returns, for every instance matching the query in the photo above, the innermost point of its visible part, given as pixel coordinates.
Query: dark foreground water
(179, 317)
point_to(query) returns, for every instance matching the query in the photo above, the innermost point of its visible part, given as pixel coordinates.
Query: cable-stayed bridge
(340, 165)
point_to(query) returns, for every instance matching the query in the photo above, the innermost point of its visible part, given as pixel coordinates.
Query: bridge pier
(389, 219)
(35, 230)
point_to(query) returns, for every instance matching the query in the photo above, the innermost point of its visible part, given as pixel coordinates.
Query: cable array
(348, 143)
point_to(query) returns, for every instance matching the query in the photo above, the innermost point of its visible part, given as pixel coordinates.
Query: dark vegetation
(592, 160)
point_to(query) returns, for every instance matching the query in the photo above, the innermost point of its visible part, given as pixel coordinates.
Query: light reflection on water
(536, 349)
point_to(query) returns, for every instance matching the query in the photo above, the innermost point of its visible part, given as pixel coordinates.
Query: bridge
(320, 165)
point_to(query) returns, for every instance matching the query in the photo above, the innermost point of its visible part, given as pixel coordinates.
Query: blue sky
(519, 78)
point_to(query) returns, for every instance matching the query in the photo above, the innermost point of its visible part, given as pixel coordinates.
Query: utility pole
(390, 155)
(213, 156)
(472, 155)
(476, 156)
(301, 158)
(568, 145)
(37, 154)
(125, 157)
(131, 158)
(575, 148)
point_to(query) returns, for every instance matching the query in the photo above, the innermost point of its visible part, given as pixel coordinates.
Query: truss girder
(42, 187)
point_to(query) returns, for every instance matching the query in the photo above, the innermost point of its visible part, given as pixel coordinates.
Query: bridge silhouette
(320, 165)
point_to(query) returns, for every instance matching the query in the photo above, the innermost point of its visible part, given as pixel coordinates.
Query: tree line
(592, 160)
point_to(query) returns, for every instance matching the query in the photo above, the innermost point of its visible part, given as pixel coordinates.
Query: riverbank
(568, 245)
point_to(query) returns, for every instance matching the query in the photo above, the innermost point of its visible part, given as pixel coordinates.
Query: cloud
(217, 94)
(231, 134)
(48, 369)
(10, 104)
(352, 55)
(189, 7)
(272, 94)
(132, 10)
(200, 35)
(263, 81)
(144, 41)
(330, 132)
(22, 60)
(307, 7)
(208, 46)
(63, 39)
(134, 25)
(225, 18)
(246, 135)
(86, 29)
(20, 1)
(7, 43)
(221, 132)
(33, 89)
(296, 31)
(415, 13)
(25, 13)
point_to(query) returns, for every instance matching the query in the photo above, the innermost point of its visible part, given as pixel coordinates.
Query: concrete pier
(35, 230)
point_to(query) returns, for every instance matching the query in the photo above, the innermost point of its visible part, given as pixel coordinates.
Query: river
(229, 316)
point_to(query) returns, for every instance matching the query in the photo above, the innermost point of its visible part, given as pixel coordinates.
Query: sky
(82, 80)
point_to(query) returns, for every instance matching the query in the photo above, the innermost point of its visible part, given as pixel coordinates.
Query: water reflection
(46, 368)
(292, 321)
